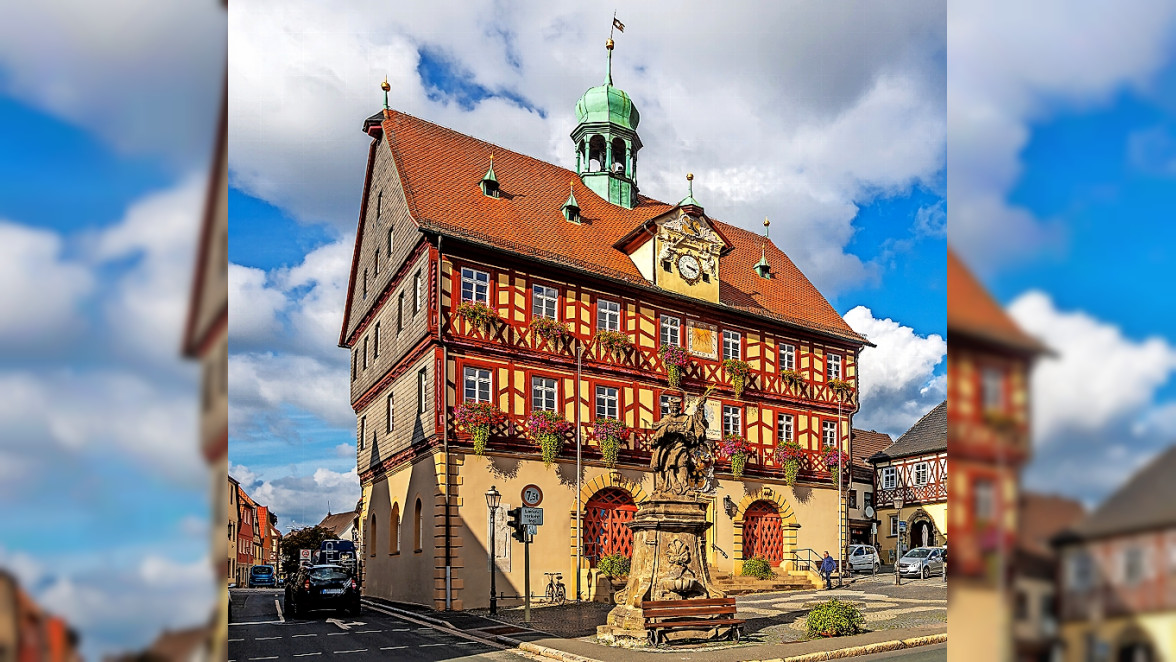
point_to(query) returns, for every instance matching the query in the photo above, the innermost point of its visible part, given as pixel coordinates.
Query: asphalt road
(258, 630)
(936, 653)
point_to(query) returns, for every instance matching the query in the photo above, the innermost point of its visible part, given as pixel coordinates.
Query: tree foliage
(308, 538)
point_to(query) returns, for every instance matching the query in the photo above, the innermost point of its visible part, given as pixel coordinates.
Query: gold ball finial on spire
(689, 176)
(766, 222)
(609, 44)
(385, 86)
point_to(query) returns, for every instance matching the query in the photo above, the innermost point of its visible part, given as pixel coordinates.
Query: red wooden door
(605, 517)
(763, 536)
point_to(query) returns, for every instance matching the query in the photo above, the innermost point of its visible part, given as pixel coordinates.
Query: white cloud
(266, 382)
(1011, 64)
(898, 381)
(253, 307)
(50, 412)
(148, 303)
(1098, 378)
(302, 500)
(145, 76)
(832, 108)
(42, 289)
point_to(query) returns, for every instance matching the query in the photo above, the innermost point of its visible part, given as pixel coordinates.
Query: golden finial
(766, 222)
(609, 44)
(689, 176)
(385, 86)
(491, 156)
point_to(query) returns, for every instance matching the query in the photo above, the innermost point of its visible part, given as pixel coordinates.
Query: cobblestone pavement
(779, 617)
(774, 617)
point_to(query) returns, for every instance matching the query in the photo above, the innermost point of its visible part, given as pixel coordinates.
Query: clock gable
(686, 252)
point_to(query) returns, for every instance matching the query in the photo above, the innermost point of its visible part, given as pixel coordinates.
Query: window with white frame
(606, 402)
(664, 405)
(894, 525)
(922, 473)
(889, 478)
(787, 357)
(732, 348)
(418, 292)
(984, 500)
(671, 331)
(829, 434)
(608, 315)
(475, 285)
(1080, 571)
(421, 381)
(992, 388)
(543, 393)
(785, 428)
(732, 420)
(832, 366)
(545, 302)
(477, 384)
(1134, 565)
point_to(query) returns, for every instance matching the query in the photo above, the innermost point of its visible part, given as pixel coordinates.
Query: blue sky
(1061, 191)
(841, 146)
(104, 489)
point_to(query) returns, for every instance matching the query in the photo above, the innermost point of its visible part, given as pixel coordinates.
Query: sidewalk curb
(867, 649)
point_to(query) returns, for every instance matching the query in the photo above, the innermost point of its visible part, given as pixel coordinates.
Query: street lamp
(493, 498)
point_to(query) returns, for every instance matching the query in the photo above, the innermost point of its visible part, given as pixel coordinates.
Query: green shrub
(834, 619)
(758, 568)
(614, 565)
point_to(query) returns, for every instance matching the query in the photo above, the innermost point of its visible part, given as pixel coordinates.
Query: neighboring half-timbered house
(485, 277)
(910, 485)
(988, 364)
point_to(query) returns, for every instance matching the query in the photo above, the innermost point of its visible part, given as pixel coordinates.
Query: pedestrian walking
(827, 567)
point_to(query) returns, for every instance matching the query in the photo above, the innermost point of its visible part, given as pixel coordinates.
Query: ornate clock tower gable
(686, 252)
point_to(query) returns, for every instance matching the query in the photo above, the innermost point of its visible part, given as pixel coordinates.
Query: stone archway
(1134, 645)
(922, 532)
(787, 522)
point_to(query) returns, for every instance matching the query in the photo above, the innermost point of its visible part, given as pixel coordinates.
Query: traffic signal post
(523, 522)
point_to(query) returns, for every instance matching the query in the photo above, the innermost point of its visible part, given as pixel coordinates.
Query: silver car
(921, 561)
(864, 558)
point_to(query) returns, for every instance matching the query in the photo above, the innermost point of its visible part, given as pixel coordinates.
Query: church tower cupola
(606, 141)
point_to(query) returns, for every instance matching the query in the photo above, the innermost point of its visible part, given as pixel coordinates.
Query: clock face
(688, 267)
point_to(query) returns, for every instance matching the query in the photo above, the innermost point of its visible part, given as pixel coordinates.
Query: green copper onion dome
(606, 103)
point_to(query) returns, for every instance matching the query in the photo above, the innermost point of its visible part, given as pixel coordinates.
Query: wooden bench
(665, 615)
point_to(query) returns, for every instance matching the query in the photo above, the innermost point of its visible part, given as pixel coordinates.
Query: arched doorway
(606, 516)
(1134, 646)
(763, 534)
(923, 534)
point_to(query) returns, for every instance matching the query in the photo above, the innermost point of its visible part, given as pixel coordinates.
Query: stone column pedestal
(669, 563)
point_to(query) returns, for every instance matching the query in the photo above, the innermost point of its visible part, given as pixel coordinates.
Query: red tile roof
(971, 310)
(1041, 517)
(441, 168)
(866, 443)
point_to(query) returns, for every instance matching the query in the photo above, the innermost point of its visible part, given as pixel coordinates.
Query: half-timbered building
(910, 486)
(486, 277)
(988, 364)
(863, 513)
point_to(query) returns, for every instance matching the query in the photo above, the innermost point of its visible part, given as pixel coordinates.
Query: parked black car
(325, 586)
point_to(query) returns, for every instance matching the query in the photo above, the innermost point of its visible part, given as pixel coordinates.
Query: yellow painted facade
(1158, 628)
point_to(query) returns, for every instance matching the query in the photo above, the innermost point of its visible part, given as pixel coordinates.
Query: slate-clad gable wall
(410, 427)
(386, 207)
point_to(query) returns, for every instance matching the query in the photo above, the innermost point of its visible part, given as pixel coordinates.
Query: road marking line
(427, 645)
(360, 650)
(235, 640)
(336, 634)
(278, 606)
(449, 630)
(258, 623)
(272, 657)
(368, 631)
(305, 654)
(400, 630)
(392, 648)
(303, 635)
(266, 638)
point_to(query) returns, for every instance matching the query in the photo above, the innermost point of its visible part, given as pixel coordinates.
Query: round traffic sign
(532, 496)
